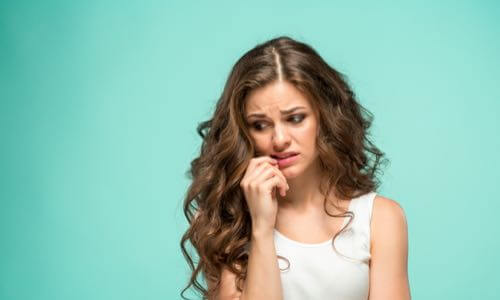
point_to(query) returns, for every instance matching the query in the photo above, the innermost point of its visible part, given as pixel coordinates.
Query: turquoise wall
(99, 102)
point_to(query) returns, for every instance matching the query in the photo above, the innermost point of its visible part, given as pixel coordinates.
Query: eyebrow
(284, 112)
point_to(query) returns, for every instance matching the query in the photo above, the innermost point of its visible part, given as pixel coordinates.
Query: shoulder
(387, 209)
(389, 251)
(388, 220)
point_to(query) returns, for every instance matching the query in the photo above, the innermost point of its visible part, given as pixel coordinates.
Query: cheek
(307, 134)
(261, 144)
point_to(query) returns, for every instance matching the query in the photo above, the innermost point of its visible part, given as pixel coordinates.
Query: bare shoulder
(389, 251)
(388, 219)
(384, 207)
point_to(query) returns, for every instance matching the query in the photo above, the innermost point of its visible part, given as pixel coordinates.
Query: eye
(294, 119)
(257, 126)
(297, 118)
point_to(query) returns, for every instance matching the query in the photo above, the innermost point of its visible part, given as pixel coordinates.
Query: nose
(281, 139)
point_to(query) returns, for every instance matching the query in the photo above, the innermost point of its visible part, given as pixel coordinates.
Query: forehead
(279, 95)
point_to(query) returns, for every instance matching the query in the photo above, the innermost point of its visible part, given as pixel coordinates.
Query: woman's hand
(261, 180)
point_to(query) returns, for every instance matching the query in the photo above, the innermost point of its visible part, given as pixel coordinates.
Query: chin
(290, 172)
(297, 170)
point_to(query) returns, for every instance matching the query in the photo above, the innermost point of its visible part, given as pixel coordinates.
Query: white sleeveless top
(316, 271)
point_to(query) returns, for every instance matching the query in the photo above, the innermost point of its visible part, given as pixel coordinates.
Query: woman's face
(280, 119)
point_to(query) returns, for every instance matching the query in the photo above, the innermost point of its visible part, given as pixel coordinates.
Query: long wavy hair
(215, 206)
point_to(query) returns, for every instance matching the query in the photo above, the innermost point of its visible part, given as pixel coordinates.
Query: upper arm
(389, 251)
(227, 289)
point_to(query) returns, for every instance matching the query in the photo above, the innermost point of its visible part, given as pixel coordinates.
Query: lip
(285, 162)
(283, 154)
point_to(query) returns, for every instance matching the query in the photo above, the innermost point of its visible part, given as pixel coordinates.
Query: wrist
(262, 231)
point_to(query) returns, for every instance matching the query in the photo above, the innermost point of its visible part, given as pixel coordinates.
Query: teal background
(100, 101)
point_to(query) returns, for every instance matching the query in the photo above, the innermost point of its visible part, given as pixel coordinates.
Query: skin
(300, 210)
(277, 132)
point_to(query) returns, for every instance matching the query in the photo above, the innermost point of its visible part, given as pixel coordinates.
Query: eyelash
(300, 119)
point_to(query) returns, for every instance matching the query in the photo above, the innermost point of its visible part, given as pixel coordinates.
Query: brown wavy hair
(215, 206)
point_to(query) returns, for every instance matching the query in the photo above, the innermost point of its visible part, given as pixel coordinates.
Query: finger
(255, 162)
(269, 184)
(266, 173)
(262, 172)
(260, 166)
(254, 168)
(284, 187)
(272, 172)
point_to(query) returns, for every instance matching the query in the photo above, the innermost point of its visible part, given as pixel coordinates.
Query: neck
(304, 192)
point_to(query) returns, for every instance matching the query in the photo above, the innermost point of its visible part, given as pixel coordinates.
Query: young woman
(282, 203)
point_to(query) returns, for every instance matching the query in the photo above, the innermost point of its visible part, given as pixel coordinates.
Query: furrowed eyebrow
(283, 112)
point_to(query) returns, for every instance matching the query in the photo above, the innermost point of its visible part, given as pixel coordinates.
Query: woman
(282, 203)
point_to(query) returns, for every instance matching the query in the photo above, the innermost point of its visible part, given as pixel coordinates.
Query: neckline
(329, 241)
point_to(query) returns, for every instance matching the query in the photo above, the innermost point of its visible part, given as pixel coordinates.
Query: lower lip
(284, 162)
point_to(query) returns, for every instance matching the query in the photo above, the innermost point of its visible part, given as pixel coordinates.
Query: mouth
(283, 155)
(286, 161)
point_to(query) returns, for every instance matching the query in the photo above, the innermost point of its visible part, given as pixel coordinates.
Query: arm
(227, 289)
(263, 278)
(389, 252)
